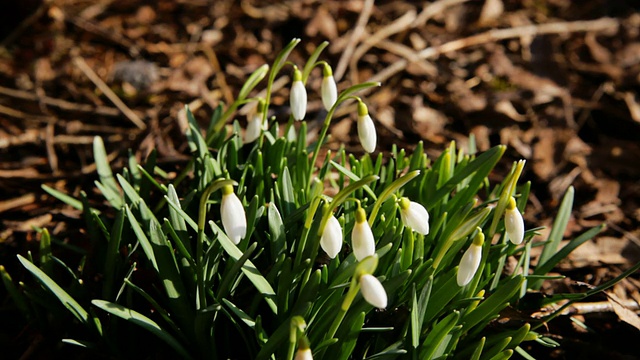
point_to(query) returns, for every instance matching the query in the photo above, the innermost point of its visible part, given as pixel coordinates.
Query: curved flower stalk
(362, 237)
(233, 216)
(366, 128)
(414, 216)
(373, 291)
(298, 96)
(470, 260)
(331, 240)
(513, 222)
(256, 124)
(328, 89)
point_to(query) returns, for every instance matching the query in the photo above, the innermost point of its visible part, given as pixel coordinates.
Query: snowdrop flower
(362, 236)
(298, 96)
(328, 89)
(256, 124)
(470, 260)
(373, 291)
(233, 216)
(513, 222)
(331, 240)
(414, 216)
(366, 128)
(303, 354)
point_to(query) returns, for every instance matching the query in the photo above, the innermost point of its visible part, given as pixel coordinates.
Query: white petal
(367, 133)
(373, 291)
(362, 241)
(303, 354)
(298, 100)
(253, 129)
(329, 92)
(331, 240)
(469, 264)
(416, 217)
(233, 217)
(514, 225)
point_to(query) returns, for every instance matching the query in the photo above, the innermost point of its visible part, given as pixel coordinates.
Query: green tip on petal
(512, 204)
(227, 189)
(326, 70)
(362, 109)
(405, 203)
(478, 240)
(361, 215)
(297, 74)
(261, 105)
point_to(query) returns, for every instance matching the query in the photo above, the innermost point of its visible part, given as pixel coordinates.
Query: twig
(25, 199)
(355, 37)
(59, 103)
(433, 9)
(604, 24)
(132, 116)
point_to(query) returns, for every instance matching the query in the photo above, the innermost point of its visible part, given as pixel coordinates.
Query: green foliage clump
(227, 260)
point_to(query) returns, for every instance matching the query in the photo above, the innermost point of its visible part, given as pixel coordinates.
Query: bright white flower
(255, 124)
(513, 222)
(233, 216)
(414, 216)
(366, 128)
(470, 261)
(331, 240)
(303, 354)
(373, 291)
(298, 96)
(362, 237)
(328, 89)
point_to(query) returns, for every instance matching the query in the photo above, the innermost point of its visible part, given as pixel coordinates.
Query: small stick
(355, 36)
(603, 24)
(59, 103)
(132, 116)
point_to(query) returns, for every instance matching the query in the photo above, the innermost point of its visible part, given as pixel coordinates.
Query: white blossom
(513, 222)
(328, 88)
(362, 240)
(470, 261)
(331, 240)
(254, 127)
(373, 291)
(233, 216)
(298, 96)
(303, 354)
(366, 128)
(414, 216)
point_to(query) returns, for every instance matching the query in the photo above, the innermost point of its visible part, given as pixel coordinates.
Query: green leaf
(438, 333)
(494, 303)
(107, 183)
(544, 267)
(144, 322)
(74, 203)
(250, 270)
(70, 303)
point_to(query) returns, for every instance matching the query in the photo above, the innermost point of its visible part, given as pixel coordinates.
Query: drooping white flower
(373, 291)
(331, 240)
(303, 354)
(513, 222)
(366, 128)
(362, 240)
(328, 88)
(256, 124)
(298, 96)
(470, 261)
(414, 216)
(233, 216)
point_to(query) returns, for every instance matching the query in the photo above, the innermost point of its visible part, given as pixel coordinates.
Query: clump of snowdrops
(259, 250)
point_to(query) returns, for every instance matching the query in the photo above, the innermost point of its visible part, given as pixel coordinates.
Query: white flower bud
(414, 216)
(331, 240)
(362, 237)
(373, 291)
(255, 125)
(470, 261)
(328, 89)
(303, 354)
(233, 216)
(298, 96)
(366, 128)
(513, 222)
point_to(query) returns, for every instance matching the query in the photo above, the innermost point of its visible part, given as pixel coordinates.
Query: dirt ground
(555, 80)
